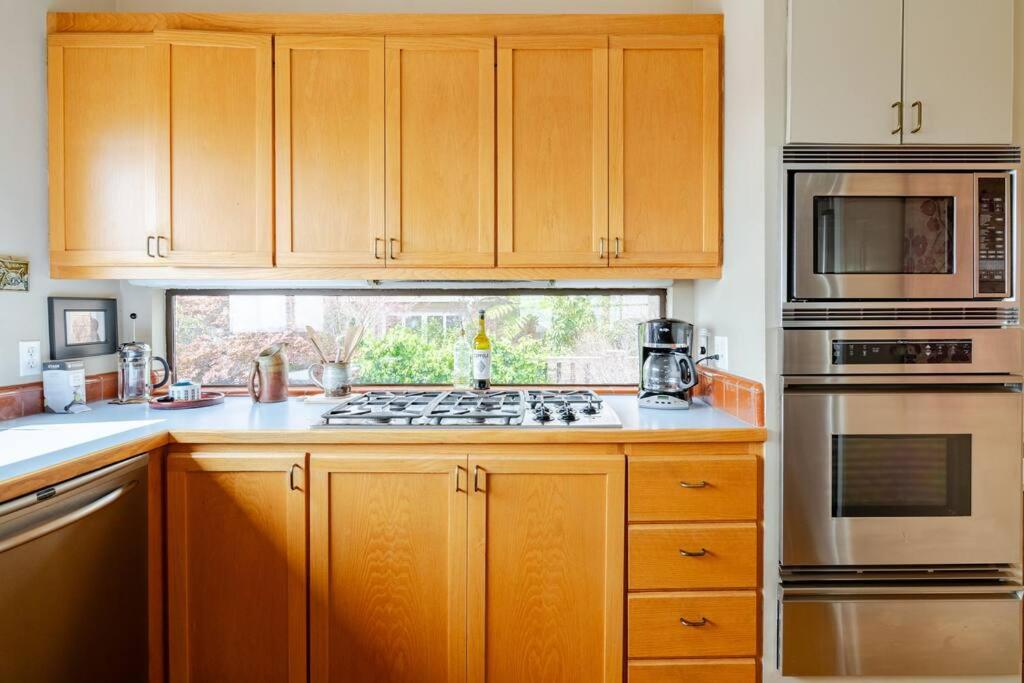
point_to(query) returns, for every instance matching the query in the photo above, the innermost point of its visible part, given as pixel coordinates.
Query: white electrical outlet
(28, 358)
(722, 350)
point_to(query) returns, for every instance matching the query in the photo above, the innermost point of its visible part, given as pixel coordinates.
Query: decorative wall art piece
(13, 274)
(82, 327)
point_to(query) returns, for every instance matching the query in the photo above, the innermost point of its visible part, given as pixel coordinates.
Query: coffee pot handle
(692, 367)
(312, 377)
(167, 372)
(252, 382)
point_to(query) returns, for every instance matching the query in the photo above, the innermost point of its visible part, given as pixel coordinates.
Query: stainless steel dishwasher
(73, 579)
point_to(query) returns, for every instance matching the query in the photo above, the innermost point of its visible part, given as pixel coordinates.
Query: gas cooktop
(457, 408)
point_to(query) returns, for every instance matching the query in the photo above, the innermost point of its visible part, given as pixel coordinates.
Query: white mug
(335, 380)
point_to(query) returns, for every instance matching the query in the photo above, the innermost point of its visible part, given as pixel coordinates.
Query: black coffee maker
(667, 372)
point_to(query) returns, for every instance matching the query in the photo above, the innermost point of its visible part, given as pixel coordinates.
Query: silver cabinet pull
(618, 247)
(391, 248)
(160, 239)
(149, 246)
(898, 106)
(458, 478)
(376, 244)
(600, 248)
(693, 553)
(693, 624)
(918, 108)
(694, 484)
(476, 478)
(291, 478)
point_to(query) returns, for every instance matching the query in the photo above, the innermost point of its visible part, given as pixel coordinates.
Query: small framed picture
(82, 327)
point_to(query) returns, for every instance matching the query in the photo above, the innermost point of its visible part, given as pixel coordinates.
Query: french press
(135, 371)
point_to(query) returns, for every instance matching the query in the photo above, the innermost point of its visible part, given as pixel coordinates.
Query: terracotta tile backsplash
(20, 400)
(735, 395)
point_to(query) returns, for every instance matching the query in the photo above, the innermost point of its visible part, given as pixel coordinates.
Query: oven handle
(840, 593)
(932, 380)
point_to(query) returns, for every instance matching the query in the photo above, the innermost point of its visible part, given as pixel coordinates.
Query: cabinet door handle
(693, 624)
(391, 248)
(693, 553)
(694, 484)
(918, 108)
(376, 245)
(149, 246)
(476, 478)
(291, 478)
(898, 106)
(618, 247)
(458, 478)
(160, 239)
(600, 248)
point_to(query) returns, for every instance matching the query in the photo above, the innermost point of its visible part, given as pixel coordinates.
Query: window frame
(660, 293)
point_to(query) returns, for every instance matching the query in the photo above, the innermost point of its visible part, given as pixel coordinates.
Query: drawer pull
(693, 485)
(693, 624)
(693, 553)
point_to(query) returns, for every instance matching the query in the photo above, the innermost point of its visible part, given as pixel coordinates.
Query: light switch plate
(28, 358)
(722, 350)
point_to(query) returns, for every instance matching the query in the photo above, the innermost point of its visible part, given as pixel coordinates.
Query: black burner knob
(542, 414)
(592, 408)
(567, 414)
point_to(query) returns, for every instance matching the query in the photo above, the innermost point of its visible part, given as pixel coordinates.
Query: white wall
(23, 181)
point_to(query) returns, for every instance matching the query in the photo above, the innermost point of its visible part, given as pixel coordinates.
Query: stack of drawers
(693, 573)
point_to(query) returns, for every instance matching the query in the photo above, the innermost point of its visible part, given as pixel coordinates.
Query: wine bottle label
(481, 364)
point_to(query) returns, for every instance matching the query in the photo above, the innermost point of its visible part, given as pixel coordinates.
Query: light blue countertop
(33, 443)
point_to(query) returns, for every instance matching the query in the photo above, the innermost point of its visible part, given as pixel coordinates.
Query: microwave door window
(904, 475)
(883, 235)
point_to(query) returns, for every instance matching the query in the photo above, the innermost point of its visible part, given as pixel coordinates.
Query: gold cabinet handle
(618, 247)
(693, 624)
(291, 478)
(693, 553)
(476, 478)
(898, 106)
(458, 478)
(160, 239)
(918, 109)
(391, 248)
(600, 248)
(376, 250)
(149, 246)
(694, 485)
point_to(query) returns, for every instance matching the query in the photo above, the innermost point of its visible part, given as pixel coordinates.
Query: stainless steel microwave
(900, 236)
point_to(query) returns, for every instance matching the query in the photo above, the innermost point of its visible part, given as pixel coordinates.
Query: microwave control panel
(993, 235)
(916, 352)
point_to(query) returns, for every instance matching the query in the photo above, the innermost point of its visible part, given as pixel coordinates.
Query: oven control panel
(916, 352)
(993, 247)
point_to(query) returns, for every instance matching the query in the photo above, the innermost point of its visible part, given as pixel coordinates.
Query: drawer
(686, 556)
(695, 670)
(695, 488)
(729, 625)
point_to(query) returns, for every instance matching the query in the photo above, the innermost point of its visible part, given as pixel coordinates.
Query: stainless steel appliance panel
(73, 580)
(921, 475)
(910, 634)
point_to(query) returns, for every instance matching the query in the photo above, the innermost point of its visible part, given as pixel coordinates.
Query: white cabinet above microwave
(875, 72)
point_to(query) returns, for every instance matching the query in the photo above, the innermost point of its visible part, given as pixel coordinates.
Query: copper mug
(268, 380)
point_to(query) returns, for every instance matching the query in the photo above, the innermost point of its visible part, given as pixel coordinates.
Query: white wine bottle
(481, 357)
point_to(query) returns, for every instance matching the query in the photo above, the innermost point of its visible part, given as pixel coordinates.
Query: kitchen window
(550, 336)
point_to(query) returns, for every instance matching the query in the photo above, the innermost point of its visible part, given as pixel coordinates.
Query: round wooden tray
(210, 398)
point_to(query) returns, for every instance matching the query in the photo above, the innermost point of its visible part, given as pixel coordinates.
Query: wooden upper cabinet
(215, 186)
(552, 150)
(664, 151)
(102, 97)
(439, 110)
(388, 568)
(329, 131)
(545, 567)
(236, 575)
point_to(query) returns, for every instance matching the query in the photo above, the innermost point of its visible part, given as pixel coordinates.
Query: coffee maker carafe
(667, 372)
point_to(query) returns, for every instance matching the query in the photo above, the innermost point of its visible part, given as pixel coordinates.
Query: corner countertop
(37, 443)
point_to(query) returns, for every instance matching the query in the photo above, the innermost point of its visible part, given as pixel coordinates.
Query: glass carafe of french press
(135, 371)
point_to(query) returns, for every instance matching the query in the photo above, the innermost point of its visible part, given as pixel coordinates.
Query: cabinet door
(958, 71)
(236, 575)
(330, 150)
(102, 91)
(552, 150)
(439, 107)
(388, 568)
(665, 180)
(844, 71)
(545, 569)
(214, 185)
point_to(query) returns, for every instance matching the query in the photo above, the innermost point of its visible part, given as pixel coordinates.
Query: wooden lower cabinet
(696, 670)
(236, 549)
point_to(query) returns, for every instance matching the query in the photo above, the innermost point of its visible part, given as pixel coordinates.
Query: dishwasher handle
(52, 525)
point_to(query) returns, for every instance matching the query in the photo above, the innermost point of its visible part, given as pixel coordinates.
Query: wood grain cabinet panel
(103, 89)
(697, 671)
(439, 166)
(689, 556)
(329, 135)
(214, 188)
(697, 488)
(545, 570)
(236, 549)
(552, 151)
(721, 624)
(388, 568)
(664, 150)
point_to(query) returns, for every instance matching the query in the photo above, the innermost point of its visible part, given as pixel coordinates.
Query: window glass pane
(543, 338)
(919, 475)
(883, 235)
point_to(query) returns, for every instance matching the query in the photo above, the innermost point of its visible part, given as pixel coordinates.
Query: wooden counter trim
(383, 24)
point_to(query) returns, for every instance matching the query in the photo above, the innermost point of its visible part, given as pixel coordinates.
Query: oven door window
(901, 475)
(883, 235)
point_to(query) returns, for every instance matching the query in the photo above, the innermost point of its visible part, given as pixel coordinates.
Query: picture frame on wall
(82, 327)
